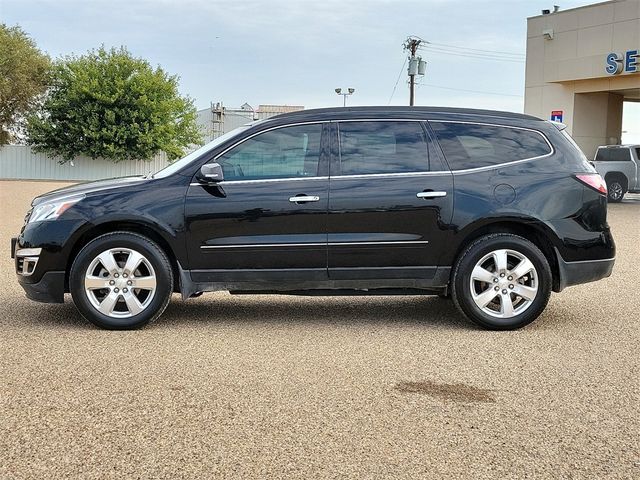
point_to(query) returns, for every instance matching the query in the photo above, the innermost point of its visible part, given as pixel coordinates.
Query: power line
(477, 53)
(479, 50)
(397, 81)
(473, 55)
(471, 52)
(470, 91)
(467, 52)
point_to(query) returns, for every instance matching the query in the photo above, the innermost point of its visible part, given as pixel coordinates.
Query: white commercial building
(218, 119)
(583, 64)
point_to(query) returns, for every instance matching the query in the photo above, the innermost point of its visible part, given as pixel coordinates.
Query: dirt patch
(457, 392)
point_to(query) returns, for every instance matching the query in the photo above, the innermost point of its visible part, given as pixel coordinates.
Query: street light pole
(350, 91)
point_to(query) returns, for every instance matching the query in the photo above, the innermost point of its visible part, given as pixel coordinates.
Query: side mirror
(211, 172)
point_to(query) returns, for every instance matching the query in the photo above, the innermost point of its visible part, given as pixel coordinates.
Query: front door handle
(431, 194)
(304, 198)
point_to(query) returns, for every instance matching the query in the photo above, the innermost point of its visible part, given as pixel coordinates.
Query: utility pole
(416, 65)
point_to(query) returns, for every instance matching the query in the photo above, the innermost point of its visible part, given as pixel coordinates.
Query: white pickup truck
(619, 165)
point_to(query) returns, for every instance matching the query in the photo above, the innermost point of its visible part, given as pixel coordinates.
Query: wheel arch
(131, 226)
(618, 175)
(534, 231)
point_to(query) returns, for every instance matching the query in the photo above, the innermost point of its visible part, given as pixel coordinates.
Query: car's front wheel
(501, 282)
(121, 280)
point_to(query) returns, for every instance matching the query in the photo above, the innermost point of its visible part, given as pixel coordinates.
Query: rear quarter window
(472, 145)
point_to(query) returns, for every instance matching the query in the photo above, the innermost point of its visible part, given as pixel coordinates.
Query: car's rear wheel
(501, 282)
(615, 189)
(121, 281)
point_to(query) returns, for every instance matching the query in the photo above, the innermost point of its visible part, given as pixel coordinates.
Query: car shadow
(339, 310)
(224, 309)
(42, 315)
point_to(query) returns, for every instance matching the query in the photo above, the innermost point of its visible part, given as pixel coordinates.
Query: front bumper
(576, 273)
(49, 288)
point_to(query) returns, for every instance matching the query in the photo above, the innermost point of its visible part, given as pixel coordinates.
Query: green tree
(23, 79)
(108, 104)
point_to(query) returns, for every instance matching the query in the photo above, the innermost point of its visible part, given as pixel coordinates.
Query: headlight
(52, 210)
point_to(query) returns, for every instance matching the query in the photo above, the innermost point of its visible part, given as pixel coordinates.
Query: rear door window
(472, 145)
(378, 147)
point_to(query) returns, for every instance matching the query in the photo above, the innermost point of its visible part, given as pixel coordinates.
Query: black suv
(493, 209)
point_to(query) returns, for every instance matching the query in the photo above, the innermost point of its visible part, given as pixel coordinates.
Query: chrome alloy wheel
(504, 283)
(120, 283)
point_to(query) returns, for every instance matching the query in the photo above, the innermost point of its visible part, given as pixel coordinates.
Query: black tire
(616, 189)
(152, 253)
(474, 253)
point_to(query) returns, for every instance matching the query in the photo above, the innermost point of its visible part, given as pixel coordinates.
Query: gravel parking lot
(277, 386)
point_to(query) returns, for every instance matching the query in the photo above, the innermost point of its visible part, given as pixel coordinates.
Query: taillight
(593, 180)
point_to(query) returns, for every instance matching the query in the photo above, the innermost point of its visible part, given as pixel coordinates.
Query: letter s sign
(614, 63)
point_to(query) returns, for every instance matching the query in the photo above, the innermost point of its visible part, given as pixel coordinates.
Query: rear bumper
(575, 273)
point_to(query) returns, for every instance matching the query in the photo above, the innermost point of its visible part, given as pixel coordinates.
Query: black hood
(88, 187)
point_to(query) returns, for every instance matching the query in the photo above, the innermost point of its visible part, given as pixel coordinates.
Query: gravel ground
(276, 386)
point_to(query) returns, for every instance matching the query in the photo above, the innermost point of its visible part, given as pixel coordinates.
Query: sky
(297, 52)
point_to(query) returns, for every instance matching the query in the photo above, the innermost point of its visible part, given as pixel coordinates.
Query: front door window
(287, 152)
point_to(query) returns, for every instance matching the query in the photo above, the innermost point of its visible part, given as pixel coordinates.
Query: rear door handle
(304, 198)
(431, 194)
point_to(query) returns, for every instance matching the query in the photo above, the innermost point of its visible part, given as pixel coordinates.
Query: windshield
(183, 162)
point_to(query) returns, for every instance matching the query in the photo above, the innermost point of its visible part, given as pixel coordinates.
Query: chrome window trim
(463, 171)
(499, 165)
(337, 177)
(261, 180)
(380, 120)
(314, 244)
(385, 175)
(392, 175)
